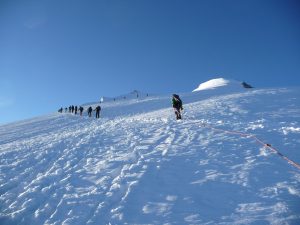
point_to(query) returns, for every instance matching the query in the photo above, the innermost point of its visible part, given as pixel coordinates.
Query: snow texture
(138, 165)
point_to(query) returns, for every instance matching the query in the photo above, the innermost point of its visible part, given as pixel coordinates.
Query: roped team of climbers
(176, 104)
(75, 109)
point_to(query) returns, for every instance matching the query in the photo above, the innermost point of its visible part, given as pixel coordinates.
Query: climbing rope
(266, 145)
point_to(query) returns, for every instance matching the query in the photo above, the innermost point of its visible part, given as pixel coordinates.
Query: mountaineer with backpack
(80, 110)
(90, 109)
(177, 106)
(98, 109)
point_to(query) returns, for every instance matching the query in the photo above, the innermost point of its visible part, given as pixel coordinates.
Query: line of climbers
(75, 109)
(176, 104)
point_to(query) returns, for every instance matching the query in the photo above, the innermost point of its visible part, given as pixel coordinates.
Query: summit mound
(221, 83)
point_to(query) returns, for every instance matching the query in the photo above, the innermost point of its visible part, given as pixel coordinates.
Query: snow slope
(137, 165)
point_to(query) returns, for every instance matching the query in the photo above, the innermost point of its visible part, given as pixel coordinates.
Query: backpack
(176, 101)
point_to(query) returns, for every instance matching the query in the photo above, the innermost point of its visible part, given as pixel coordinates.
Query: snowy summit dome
(215, 83)
(212, 84)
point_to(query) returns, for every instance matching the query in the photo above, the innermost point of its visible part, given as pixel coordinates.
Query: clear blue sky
(59, 52)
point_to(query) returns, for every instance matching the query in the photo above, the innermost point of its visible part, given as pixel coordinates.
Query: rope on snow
(267, 145)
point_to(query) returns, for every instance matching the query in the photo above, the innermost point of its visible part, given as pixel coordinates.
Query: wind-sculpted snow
(137, 165)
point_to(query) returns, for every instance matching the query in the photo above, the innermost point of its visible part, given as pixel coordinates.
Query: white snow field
(138, 165)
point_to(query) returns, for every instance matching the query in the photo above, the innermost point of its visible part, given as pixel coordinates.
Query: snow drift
(220, 82)
(137, 165)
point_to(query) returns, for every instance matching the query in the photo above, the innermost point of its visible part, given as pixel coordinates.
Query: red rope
(293, 163)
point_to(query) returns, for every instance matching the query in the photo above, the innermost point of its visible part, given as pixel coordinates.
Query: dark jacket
(98, 108)
(176, 102)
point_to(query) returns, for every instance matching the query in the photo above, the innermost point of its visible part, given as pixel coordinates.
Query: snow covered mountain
(138, 165)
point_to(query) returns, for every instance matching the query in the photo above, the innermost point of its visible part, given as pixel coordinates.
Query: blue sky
(59, 52)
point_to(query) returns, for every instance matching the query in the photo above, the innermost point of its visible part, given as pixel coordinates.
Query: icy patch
(269, 192)
(220, 122)
(258, 124)
(194, 218)
(203, 162)
(255, 126)
(292, 190)
(171, 198)
(210, 175)
(158, 208)
(287, 130)
(255, 213)
(264, 152)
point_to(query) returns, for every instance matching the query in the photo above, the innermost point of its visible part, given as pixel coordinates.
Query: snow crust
(138, 165)
(216, 83)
